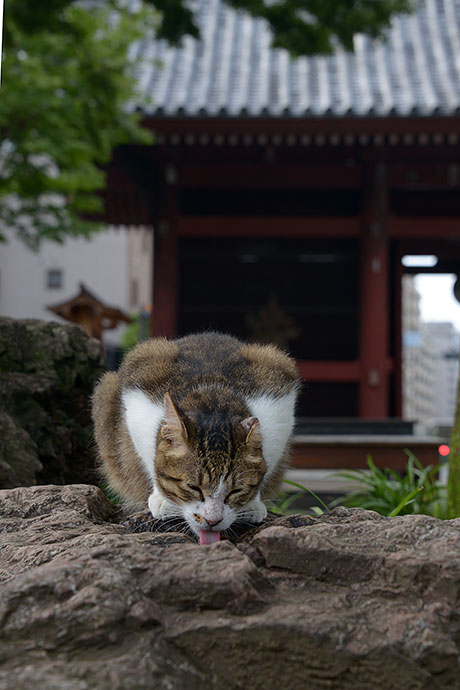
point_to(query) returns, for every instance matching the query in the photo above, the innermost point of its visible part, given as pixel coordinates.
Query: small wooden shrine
(87, 310)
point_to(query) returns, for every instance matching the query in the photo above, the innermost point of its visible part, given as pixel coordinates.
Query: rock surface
(348, 601)
(47, 374)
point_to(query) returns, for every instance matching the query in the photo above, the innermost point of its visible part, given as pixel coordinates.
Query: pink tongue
(209, 536)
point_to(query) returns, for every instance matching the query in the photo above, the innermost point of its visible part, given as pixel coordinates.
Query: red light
(444, 450)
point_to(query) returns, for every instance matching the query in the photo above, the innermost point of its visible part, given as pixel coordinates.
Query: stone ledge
(347, 600)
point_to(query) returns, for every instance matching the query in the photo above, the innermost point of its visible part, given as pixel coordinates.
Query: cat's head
(210, 467)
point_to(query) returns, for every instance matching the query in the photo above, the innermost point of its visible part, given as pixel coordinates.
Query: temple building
(284, 192)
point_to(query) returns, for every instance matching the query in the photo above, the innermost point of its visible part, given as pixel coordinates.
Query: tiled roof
(233, 71)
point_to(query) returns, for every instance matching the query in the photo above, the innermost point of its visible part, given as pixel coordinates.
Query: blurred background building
(444, 344)
(430, 364)
(419, 374)
(298, 186)
(283, 195)
(116, 265)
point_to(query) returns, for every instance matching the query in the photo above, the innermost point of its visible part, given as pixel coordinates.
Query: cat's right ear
(251, 426)
(172, 428)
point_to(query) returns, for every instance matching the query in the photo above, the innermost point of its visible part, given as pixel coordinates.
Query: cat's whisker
(140, 528)
(186, 531)
(169, 518)
(140, 524)
(230, 529)
(167, 522)
(177, 524)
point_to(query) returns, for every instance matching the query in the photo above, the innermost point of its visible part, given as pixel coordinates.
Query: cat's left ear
(251, 426)
(173, 428)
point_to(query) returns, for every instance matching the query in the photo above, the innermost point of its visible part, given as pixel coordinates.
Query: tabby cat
(197, 428)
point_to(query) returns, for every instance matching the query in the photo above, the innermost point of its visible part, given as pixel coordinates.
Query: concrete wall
(106, 264)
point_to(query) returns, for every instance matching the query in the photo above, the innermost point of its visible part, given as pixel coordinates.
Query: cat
(197, 428)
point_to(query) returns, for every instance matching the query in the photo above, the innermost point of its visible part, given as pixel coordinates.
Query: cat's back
(207, 359)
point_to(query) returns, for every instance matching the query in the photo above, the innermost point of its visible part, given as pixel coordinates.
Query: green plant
(138, 329)
(417, 491)
(282, 504)
(109, 493)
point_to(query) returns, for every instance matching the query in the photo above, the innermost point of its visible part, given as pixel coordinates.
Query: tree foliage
(67, 80)
(303, 27)
(66, 83)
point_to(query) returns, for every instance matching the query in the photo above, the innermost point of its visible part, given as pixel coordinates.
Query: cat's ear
(251, 426)
(172, 428)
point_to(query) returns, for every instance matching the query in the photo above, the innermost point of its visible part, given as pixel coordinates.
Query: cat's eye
(197, 490)
(232, 492)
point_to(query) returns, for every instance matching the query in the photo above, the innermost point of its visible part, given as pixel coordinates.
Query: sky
(437, 301)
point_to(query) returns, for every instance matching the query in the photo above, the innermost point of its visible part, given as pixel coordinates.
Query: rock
(47, 374)
(347, 600)
(19, 463)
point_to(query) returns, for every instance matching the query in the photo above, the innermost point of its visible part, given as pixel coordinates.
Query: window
(54, 278)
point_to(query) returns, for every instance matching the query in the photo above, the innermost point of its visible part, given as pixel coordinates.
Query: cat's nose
(213, 523)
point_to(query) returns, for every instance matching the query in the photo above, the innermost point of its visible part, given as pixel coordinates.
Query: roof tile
(234, 71)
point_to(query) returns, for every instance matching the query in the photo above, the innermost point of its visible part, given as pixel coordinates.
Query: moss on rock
(47, 373)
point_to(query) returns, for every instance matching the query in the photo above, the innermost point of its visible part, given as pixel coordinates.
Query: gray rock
(348, 600)
(47, 374)
(19, 463)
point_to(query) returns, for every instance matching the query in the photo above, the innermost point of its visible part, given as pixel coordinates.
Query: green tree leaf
(68, 80)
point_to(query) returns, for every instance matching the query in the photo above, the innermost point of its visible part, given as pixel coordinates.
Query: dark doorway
(305, 290)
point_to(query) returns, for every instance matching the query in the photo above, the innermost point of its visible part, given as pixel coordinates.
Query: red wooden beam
(329, 371)
(421, 227)
(267, 226)
(267, 176)
(421, 174)
(313, 125)
(316, 370)
(309, 452)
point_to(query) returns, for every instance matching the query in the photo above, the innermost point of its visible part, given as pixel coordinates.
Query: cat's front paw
(255, 511)
(160, 506)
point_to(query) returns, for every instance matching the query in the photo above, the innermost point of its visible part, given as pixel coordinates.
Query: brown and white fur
(197, 427)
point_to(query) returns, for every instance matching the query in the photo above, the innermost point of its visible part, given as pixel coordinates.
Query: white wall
(101, 263)
(140, 267)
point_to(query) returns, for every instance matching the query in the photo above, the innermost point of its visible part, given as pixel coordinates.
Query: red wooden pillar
(166, 263)
(374, 322)
(398, 334)
(165, 279)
